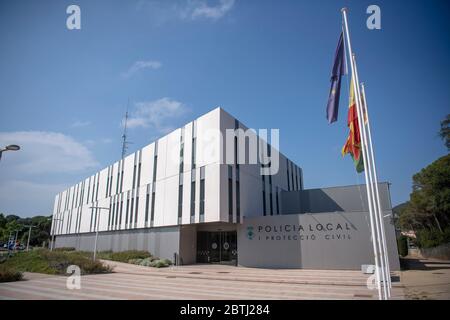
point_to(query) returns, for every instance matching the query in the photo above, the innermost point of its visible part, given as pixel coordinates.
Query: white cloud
(46, 152)
(203, 10)
(139, 65)
(156, 114)
(163, 11)
(27, 198)
(79, 124)
(46, 163)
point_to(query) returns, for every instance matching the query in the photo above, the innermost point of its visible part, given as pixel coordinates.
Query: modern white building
(187, 197)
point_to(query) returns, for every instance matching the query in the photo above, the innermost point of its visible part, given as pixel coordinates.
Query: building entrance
(217, 247)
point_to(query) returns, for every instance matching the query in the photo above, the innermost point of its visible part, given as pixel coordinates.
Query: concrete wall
(162, 242)
(338, 240)
(334, 199)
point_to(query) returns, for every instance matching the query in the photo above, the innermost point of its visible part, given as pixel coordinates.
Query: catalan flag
(353, 143)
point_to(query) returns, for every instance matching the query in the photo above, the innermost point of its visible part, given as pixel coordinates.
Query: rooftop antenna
(125, 142)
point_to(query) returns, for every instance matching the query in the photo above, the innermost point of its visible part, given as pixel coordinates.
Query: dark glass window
(180, 201)
(192, 198)
(202, 196)
(147, 203)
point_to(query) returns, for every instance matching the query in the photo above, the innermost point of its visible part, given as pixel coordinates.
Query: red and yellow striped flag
(353, 143)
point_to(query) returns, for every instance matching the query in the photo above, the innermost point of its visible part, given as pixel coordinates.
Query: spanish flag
(353, 143)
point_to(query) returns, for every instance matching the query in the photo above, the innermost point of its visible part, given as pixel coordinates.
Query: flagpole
(383, 234)
(368, 168)
(357, 100)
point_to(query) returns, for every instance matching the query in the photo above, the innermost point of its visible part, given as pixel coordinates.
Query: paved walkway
(199, 282)
(426, 279)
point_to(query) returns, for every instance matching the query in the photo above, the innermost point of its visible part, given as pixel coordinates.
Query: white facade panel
(109, 187)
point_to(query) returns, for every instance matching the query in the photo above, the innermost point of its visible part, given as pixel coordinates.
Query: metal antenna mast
(125, 142)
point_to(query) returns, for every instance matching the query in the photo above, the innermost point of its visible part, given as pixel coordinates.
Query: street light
(98, 225)
(29, 235)
(11, 147)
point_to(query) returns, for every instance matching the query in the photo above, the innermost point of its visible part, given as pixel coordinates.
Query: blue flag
(335, 90)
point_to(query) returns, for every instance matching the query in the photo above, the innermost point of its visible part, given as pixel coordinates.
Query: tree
(445, 131)
(429, 205)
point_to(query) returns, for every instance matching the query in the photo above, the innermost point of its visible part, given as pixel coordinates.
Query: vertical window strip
(193, 198)
(136, 210)
(180, 201)
(127, 210)
(277, 201)
(98, 184)
(107, 183)
(117, 212)
(89, 190)
(93, 190)
(288, 176)
(118, 177)
(134, 177)
(202, 196)
(121, 210)
(147, 203)
(152, 209)
(238, 202)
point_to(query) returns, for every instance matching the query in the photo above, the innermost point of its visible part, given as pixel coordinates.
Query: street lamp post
(97, 226)
(29, 235)
(11, 147)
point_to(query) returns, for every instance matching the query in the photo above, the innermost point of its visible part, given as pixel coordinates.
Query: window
(136, 210)
(277, 202)
(111, 180)
(131, 209)
(113, 213)
(238, 202)
(128, 207)
(271, 202)
(202, 196)
(147, 203)
(118, 178)
(134, 177)
(152, 212)
(107, 183)
(121, 179)
(194, 142)
(180, 202)
(181, 158)
(230, 193)
(192, 198)
(155, 167)
(121, 209)
(264, 202)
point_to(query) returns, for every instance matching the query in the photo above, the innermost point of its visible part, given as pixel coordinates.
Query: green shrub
(55, 262)
(432, 238)
(64, 249)
(147, 262)
(9, 274)
(167, 261)
(135, 261)
(159, 264)
(402, 244)
(125, 256)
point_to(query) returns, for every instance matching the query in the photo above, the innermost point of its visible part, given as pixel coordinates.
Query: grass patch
(54, 262)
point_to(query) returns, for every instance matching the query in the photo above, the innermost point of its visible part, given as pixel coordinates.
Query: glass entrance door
(217, 247)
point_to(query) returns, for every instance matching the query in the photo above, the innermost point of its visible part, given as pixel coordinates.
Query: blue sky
(63, 92)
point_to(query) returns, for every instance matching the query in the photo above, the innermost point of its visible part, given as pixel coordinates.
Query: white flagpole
(383, 234)
(368, 168)
(358, 103)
